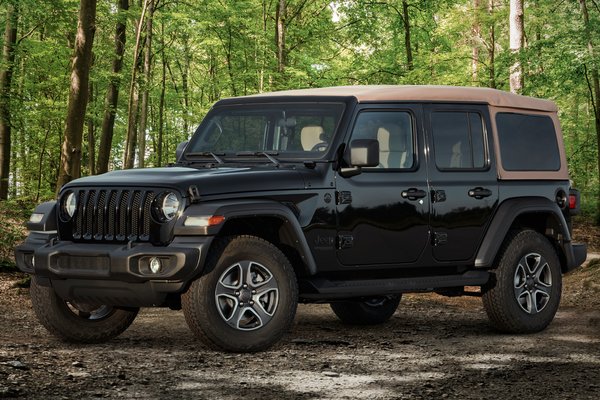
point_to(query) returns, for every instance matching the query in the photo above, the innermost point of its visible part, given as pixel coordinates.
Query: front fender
(243, 209)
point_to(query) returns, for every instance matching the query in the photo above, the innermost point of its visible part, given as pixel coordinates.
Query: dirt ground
(433, 347)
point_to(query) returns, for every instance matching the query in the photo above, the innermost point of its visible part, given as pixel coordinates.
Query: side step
(320, 289)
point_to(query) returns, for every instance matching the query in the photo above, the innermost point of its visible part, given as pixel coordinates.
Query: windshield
(287, 130)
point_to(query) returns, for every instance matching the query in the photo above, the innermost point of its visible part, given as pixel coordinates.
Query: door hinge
(345, 241)
(343, 197)
(437, 196)
(440, 238)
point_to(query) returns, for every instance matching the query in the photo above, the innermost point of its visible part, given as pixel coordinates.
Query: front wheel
(76, 321)
(528, 284)
(371, 311)
(247, 300)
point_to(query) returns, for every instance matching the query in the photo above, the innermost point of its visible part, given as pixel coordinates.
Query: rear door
(464, 186)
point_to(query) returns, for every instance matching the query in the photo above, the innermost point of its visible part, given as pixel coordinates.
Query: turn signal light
(204, 221)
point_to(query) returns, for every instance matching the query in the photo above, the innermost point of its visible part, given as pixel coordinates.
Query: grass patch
(594, 264)
(7, 266)
(23, 283)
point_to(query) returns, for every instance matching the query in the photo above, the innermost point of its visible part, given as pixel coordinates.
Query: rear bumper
(113, 274)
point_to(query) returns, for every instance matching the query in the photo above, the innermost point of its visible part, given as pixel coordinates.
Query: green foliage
(215, 49)
(12, 229)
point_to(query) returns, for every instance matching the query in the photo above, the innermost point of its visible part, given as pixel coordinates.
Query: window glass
(290, 130)
(458, 140)
(527, 142)
(477, 141)
(394, 132)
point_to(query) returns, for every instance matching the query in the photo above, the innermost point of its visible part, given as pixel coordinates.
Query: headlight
(69, 205)
(169, 205)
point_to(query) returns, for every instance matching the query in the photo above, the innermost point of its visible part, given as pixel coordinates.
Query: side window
(527, 142)
(394, 131)
(458, 140)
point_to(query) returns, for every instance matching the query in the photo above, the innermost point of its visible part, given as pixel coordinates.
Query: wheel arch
(274, 222)
(537, 213)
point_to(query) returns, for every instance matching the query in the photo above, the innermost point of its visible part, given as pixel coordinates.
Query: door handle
(480, 193)
(413, 194)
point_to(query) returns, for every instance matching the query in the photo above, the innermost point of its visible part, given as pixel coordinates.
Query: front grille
(120, 215)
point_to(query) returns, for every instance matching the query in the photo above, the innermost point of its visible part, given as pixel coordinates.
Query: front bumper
(113, 274)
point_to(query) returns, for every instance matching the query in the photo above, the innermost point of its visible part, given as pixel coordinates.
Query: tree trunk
(228, 58)
(263, 52)
(112, 93)
(161, 104)
(185, 72)
(595, 89)
(132, 108)
(8, 59)
(476, 30)
(516, 45)
(280, 35)
(70, 167)
(409, 56)
(492, 47)
(145, 88)
(91, 135)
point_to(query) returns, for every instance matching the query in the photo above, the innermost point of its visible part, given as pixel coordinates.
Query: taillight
(574, 201)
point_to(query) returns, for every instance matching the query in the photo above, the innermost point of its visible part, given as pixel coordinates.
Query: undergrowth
(13, 216)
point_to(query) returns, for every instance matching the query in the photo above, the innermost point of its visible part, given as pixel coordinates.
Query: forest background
(114, 84)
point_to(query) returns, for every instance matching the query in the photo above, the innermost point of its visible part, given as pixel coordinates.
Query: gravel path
(433, 347)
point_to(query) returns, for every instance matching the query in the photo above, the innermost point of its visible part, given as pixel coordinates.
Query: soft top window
(527, 142)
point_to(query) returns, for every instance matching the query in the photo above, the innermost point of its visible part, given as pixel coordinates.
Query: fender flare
(233, 209)
(503, 219)
(48, 223)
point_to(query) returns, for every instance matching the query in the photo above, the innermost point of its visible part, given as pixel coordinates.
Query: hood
(210, 181)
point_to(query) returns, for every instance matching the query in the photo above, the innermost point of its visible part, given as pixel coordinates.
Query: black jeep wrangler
(347, 195)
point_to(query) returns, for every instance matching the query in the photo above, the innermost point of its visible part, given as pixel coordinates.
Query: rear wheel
(528, 284)
(247, 301)
(371, 311)
(76, 321)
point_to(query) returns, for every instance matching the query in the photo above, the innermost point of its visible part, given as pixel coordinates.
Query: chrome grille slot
(113, 215)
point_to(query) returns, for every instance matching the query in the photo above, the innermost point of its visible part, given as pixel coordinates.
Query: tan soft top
(424, 93)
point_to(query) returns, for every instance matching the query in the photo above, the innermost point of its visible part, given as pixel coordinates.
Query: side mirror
(363, 153)
(180, 149)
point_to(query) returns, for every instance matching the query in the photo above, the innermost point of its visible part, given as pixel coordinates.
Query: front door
(383, 213)
(462, 173)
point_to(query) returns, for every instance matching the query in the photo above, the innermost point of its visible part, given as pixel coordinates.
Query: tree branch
(25, 36)
(587, 79)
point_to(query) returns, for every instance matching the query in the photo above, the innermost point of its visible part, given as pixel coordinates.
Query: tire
(372, 311)
(230, 310)
(78, 322)
(528, 285)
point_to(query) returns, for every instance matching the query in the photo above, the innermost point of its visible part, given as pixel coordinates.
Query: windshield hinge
(194, 194)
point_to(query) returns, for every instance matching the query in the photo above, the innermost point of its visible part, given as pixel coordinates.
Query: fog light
(155, 265)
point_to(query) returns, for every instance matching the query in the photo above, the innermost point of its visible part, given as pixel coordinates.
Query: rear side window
(527, 142)
(458, 140)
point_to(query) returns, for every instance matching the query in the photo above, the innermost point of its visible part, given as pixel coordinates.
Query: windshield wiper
(206, 154)
(269, 155)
